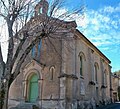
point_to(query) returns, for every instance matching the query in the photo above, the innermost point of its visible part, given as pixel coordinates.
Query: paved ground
(111, 106)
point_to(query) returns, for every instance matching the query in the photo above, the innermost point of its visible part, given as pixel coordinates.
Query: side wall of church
(93, 85)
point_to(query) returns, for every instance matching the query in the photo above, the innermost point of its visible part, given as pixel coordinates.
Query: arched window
(96, 67)
(39, 47)
(105, 78)
(81, 66)
(52, 71)
(81, 62)
(36, 49)
(33, 52)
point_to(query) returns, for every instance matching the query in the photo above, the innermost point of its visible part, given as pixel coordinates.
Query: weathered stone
(62, 87)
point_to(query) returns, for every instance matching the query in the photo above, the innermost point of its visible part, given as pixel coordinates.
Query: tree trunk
(5, 105)
(10, 77)
(7, 73)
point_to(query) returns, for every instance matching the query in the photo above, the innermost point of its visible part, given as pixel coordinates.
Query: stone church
(62, 71)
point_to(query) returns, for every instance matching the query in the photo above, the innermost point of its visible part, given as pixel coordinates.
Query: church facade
(64, 71)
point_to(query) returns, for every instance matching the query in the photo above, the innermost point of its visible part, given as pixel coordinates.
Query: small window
(105, 78)
(81, 66)
(33, 52)
(40, 10)
(95, 75)
(52, 72)
(95, 70)
(82, 59)
(36, 49)
(39, 47)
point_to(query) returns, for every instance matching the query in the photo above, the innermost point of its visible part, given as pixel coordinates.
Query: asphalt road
(111, 106)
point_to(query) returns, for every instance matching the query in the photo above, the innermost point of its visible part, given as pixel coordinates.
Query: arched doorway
(33, 88)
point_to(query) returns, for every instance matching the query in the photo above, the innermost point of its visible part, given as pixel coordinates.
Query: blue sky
(101, 25)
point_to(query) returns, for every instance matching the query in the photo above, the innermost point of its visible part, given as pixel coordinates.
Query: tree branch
(24, 55)
(18, 49)
(3, 15)
(4, 5)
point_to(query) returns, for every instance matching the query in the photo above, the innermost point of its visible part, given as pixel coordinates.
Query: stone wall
(67, 89)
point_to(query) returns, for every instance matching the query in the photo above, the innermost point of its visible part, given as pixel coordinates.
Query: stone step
(26, 106)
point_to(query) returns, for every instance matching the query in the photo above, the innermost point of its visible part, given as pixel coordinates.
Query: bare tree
(20, 12)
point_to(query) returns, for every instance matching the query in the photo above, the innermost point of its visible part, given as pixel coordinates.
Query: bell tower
(41, 8)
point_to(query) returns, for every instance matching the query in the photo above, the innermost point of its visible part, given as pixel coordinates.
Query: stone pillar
(62, 92)
(23, 89)
(102, 76)
(39, 88)
(110, 83)
(40, 91)
(25, 93)
(67, 91)
(67, 75)
(91, 69)
(90, 64)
